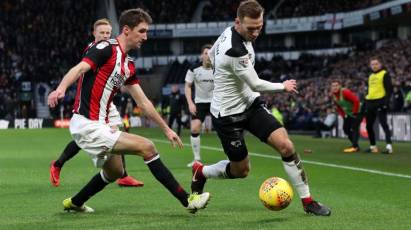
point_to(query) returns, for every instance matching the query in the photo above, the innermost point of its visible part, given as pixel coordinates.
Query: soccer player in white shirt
(202, 77)
(236, 106)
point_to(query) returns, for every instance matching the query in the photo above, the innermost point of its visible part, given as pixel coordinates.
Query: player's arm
(243, 68)
(145, 104)
(351, 97)
(388, 86)
(95, 57)
(187, 90)
(71, 76)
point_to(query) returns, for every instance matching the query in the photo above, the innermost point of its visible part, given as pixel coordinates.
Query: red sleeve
(340, 110)
(98, 54)
(90, 62)
(132, 80)
(350, 96)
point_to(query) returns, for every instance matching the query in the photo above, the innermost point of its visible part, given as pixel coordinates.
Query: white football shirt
(203, 83)
(236, 83)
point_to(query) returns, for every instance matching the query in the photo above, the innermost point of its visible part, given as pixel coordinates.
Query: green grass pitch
(364, 191)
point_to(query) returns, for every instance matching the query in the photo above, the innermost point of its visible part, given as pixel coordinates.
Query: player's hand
(173, 138)
(290, 86)
(193, 109)
(54, 97)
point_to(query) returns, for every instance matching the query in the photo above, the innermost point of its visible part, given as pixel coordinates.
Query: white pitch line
(372, 171)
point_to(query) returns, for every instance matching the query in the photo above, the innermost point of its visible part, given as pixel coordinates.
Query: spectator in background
(376, 103)
(42, 94)
(325, 124)
(348, 106)
(398, 99)
(408, 102)
(176, 105)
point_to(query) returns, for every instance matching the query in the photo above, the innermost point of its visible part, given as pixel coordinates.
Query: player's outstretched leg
(126, 180)
(237, 166)
(224, 169)
(112, 170)
(55, 167)
(141, 146)
(294, 168)
(192, 202)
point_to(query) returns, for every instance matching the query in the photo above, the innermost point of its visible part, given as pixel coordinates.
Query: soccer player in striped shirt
(101, 31)
(104, 69)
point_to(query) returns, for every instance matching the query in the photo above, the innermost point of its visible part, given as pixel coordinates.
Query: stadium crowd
(315, 74)
(225, 10)
(172, 11)
(300, 8)
(38, 44)
(34, 48)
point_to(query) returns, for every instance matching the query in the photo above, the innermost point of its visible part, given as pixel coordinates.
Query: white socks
(297, 176)
(217, 170)
(195, 145)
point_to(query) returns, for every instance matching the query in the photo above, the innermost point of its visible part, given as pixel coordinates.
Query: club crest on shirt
(243, 61)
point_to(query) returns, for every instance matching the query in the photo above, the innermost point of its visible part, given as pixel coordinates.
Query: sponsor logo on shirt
(117, 80)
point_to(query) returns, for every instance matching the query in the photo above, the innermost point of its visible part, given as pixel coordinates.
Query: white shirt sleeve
(189, 76)
(243, 68)
(211, 55)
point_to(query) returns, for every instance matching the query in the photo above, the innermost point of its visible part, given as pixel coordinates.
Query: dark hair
(377, 58)
(336, 81)
(133, 17)
(206, 46)
(249, 8)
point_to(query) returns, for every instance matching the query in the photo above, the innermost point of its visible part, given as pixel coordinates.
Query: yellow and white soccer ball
(276, 193)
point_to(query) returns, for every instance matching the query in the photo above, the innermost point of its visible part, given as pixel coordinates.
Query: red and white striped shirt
(110, 69)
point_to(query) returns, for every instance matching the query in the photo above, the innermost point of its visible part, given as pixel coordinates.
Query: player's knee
(195, 127)
(286, 148)
(148, 148)
(117, 173)
(195, 130)
(113, 174)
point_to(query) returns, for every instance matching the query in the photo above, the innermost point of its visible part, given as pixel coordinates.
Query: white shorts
(114, 118)
(96, 138)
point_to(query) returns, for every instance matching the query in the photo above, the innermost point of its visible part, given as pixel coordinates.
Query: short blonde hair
(102, 21)
(249, 8)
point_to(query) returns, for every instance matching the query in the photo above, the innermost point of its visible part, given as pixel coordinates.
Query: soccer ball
(276, 193)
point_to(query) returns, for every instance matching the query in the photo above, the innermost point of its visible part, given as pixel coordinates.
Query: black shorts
(203, 109)
(372, 106)
(230, 129)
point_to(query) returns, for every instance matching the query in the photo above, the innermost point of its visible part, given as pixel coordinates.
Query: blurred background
(312, 41)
